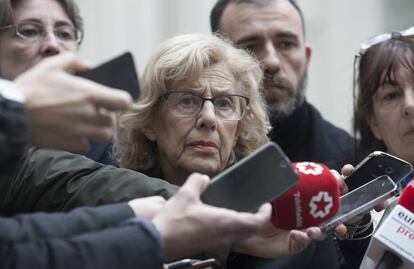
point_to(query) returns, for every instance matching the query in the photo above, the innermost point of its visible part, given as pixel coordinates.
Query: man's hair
(70, 7)
(218, 9)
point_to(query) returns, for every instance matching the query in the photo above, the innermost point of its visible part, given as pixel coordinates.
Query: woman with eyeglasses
(200, 110)
(384, 115)
(384, 97)
(33, 30)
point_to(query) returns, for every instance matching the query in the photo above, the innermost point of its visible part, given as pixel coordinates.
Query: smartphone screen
(362, 200)
(119, 73)
(376, 164)
(256, 179)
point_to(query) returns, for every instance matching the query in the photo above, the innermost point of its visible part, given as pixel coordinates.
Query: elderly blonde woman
(199, 117)
(200, 110)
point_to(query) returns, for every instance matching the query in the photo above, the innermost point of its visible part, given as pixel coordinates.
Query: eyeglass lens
(35, 31)
(228, 107)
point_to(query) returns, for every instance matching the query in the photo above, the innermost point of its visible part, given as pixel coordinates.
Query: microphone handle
(389, 261)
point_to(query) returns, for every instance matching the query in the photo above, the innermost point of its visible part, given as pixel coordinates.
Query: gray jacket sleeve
(50, 180)
(84, 238)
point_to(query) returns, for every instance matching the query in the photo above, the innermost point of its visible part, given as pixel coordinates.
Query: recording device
(314, 200)
(392, 245)
(256, 179)
(119, 73)
(376, 164)
(362, 200)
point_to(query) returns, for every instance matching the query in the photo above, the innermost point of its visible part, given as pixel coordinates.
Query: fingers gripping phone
(256, 179)
(362, 200)
(376, 164)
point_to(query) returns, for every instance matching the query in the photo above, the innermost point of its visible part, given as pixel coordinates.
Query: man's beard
(280, 109)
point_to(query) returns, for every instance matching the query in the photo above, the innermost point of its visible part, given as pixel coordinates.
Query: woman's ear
(149, 133)
(373, 125)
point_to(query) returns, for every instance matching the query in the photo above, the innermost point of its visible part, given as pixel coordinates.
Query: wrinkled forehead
(218, 78)
(240, 19)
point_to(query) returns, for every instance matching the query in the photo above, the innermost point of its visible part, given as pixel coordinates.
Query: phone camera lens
(389, 170)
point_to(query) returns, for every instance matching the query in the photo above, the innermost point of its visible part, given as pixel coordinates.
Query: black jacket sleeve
(50, 180)
(37, 226)
(14, 137)
(83, 238)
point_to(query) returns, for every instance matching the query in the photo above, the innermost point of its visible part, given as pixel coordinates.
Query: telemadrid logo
(309, 168)
(321, 204)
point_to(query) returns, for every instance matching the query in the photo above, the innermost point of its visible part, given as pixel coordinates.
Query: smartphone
(362, 200)
(119, 73)
(256, 179)
(376, 164)
(193, 264)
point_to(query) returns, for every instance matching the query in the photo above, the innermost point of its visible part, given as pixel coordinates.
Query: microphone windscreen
(311, 202)
(407, 197)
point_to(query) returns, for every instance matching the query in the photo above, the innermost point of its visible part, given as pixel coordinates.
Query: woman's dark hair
(378, 65)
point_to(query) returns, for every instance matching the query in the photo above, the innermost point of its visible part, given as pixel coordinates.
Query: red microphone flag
(311, 202)
(407, 197)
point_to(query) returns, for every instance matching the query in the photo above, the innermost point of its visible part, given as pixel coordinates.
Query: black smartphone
(256, 179)
(362, 200)
(376, 164)
(119, 73)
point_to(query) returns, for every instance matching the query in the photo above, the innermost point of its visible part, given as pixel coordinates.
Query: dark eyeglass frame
(77, 32)
(166, 95)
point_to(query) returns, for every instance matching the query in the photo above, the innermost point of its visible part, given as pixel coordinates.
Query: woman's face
(393, 115)
(201, 143)
(16, 54)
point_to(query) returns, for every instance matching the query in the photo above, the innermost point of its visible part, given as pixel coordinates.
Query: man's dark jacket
(306, 136)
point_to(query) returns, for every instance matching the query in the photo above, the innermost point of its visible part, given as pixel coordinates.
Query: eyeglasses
(32, 32)
(187, 104)
(384, 37)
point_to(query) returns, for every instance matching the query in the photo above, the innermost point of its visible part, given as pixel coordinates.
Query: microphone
(311, 202)
(407, 197)
(392, 245)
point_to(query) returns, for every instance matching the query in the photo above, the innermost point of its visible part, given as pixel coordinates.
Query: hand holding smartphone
(376, 164)
(256, 179)
(361, 200)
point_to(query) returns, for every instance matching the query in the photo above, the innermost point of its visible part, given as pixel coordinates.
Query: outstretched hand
(64, 111)
(272, 242)
(187, 226)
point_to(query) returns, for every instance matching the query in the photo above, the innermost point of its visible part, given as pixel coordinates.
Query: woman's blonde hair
(174, 62)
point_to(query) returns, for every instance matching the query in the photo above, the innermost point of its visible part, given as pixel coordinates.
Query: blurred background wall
(334, 30)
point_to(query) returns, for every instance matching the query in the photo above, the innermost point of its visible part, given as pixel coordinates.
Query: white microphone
(392, 245)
